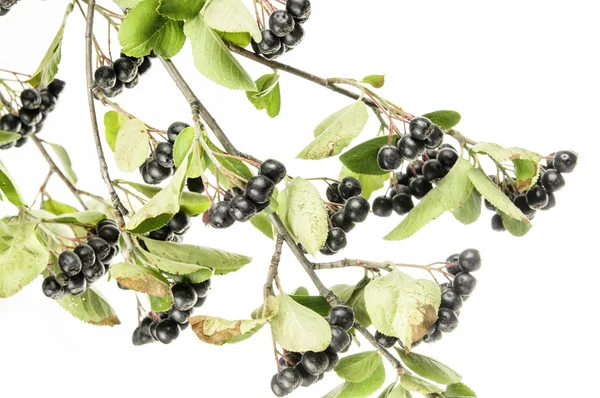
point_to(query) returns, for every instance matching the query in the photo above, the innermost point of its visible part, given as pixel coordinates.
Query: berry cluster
(159, 166)
(242, 205)
(172, 231)
(167, 325)
(540, 196)
(124, 73)
(455, 293)
(85, 264)
(6, 5)
(285, 30)
(416, 181)
(351, 208)
(35, 106)
(306, 368)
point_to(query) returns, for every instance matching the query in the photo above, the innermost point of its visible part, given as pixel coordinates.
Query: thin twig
(273, 268)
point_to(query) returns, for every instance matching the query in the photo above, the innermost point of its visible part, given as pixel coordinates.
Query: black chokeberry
(219, 215)
(201, 288)
(289, 378)
(105, 77)
(333, 194)
(164, 233)
(433, 337)
(93, 273)
(114, 250)
(336, 239)
(552, 180)
(195, 185)
(156, 171)
(10, 123)
(447, 320)
(164, 154)
(315, 363)
(382, 206)
(464, 283)
(342, 316)
(144, 66)
(349, 187)
(273, 169)
(537, 197)
(389, 158)
(357, 209)
(242, 208)
(333, 359)
(565, 161)
(277, 388)
(30, 98)
(293, 38)
(56, 87)
(174, 130)
(340, 220)
(451, 300)
(259, 189)
(270, 43)
(409, 147)
(77, 284)
(435, 139)
(307, 378)
(551, 201)
(167, 331)
(403, 178)
(110, 234)
(125, 69)
(133, 83)
(86, 255)
(469, 260)
(52, 288)
(69, 263)
(521, 203)
(298, 8)
(455, 267)
(30, 116)
(402, 203)
(180, 223)
(420, 128)
(281, 23)
(385, 341)
(447, 157)
(100, 246)
(433, 170)
(420, 187)
(184, 296)
(414, 169)
(117, 89)
(178, 316)
(497, 224)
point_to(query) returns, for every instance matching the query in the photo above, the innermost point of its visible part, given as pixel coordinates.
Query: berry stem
(273, 269)
(372, 265)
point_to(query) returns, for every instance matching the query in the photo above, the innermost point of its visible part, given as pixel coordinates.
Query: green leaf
(240, 39)
(90, 307)
(213, 59)
(183, 145)
(173, 267)
(336, 132)
(360, 390)
(58, 208)
(161, 304)
(444, 119)
(459, 390)
(399, 392)
(415, 384)
(113, 121)
(515, 227)
(65, 161)
(495, 196)
(453, 191)
(144, 30)
(376, 81)
(11, 191)
(297, 328)
(231, 16)
(370, 183)
(230, 164)
(362, 159)
(525, 161)
(268, 95)
(429, 368)
(49, 66)
(386, 391)
(305, 215)
(22, 257)
(316, 303)
(127, 3)
(268, 310)
(161, 208)
(219, 331)
(131, 147)
(358, 367)
(6, 137)
(358, 304)
(220, 261)
(300, 291)
(141, 279)
(84, 217)
(402, 307)
(180, 9)
(470, 211)
(263, 223)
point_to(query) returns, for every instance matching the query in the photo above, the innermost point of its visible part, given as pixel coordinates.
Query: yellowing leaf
(219, 331)
(132, 145)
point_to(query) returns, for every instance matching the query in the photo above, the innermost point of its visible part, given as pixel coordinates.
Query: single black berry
(464, 283)
(270, 43)
(403, 178)
(167, 331)
(420, 128)
(551, 202)
(447, 320)
(259, 189)
(521, 203)
(219, 215)
(339, 220)
(110, 234)
(242, 208)
(281, 23)
(336, 239)
(357, 209)
(145, 66)
(469, 260)
(273, 169)
(93, 273)
(298, 8)
(414, 169)
(133, 83)
(552, 180)
(56, 87)
(307, 378)
(389, 158)
(69, 263)
(156, 171)
(289, 378)
(402, 203)
(447, 157)
(385, 341)
(178, 316)
(315, 363)
(349, 187)
(436, 138)
(434, 336)
(342, 316)
(455, 267)
(277, 388)
(195, 185)
(174, 130)
(293, 38)
(30, 116)
(433, 170)
(30, 98)
(180, 223)
(537, 197)
(451, 300)
(184, 296)
(332, 193)
(201, 288)
(164, 154)
(164, 233)
(409, 147)
(86, 255)
(565, 161)
(382, 206)
(420, 187)
(333, 359)
(77, 284)
(125, 69)
(497, 224)
(10, 123)
(117, 89)
(100, 246)
(52, 288)
(105, 77)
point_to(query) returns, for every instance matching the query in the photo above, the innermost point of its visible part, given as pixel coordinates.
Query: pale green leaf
(65, 161)
(240, 39)
(113, 121)
(376, 81)
(363, 389)
(127, 3)
(90, 307)
(470, 211)
(369, 183)
(10, 189)
(183, 145)
(415, 384)
(399, 392)
(219, 331)
(84, 217)
(231, 16)
(141, 279)
(6, 137)
(58, 208)
(180, 9)
(174, 267)
(444, 119)
(263, 223)
(132, 145)
(515, 227)
(161, 304)
(459, 390)
(268, 96)
(358, 367)
(429, 368)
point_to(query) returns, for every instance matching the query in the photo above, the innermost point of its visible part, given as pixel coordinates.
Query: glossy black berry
(10, 123)
(273, 169)
(56, 87)
(385, 341)
(389, 158)
(410, 148)
(178, 316)
(436, 138)
(164, 154)
(180, 223)
(455, 267)
(125, 69)
(201, 288)
(447, 320)
(551, 202)
(174, 130)
(470, 260)
(333, 194)
(414, 169)
(565, 161)
(403, 178)
(164, 233)
(451, 300)
(293, 38)
(105, 77)
(110, 234)
(307, 378)
(420, 128)
(156, 171)
(241, 208)
(195, 185)
(537, 197)
(357, 209)
(447, 157)
(433, 337)
(270, 43)
(69, 263)
(52, 288)
(521, 202)
(497, 224)
(464, 283)
(259, 189)
(219, 215)
(420, 187)
(30, 116)
(402, 203)
(277, 388)
(133, 83)
(145, 66)
(382, 206)
(341, 316)
(298, 8)
(167, 330)
(315, 363)
(349, 187)
(281, 23)
(332, 358)
(115, 90)
(339, 220)
(289, 378)
(77, 284)
(100, 246)
(86, 255)
(184, 296)
(30, 98)
(552, 180)
(114, 250)
(433, 170)
(336, 239)
(93, 273)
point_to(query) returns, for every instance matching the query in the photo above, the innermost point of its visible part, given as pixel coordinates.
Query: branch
(57, 171)
(273, 268)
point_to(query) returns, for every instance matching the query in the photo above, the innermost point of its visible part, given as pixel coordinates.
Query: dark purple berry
(273, 169)
(195, 185)
(93, 273)
(184, 296)
(469, 260)
(10, 123)
(105, 77)
(180, 223)
(336, 239)
(298, 8)
(52, 288)
(259, 189)
(333, 195)
(451, 300)
(201, 288)
(342, 316)
(349, 187)
(420, 128)
(420, 187)
(241, 208)
(30, 98)
(164, 154)
(56, 87)
(537, 197)
(551, 202)
(382, 206)
(289, 378)
(357, 209)
(293, 38)
(174, 130)
(339, 220)
(389, 158)
(433, 170)
(164, 233)
(77, 284)
(167, 331)
(86, 255)
(447, 320)
(125, 69)
(402, 203)
(315, 363)
(110, 234)
(409, 147)
(497, 224)
(436, 138)
(521, 203)
(69, 263)
(219, 215)
(552, 180)
(281, 23)
(447, 157)
(565, 161)
(464, 283)
(270, 43)
(277, 388)
(385, 341)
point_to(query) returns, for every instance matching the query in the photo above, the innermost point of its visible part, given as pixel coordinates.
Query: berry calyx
(281, 23)
(69, 263)
(315, 363)
(469, 260)
(241, 208)
(389, 158)
(565, 161)
(341, 316)
(382, 206)
(357, 209)
(385, 341)
(184, 296)
(259, 189)
(219, 215)
(273, 169)
(409, 147)
(349, 187)
(174, 130)
(420, 128)
(52, 288)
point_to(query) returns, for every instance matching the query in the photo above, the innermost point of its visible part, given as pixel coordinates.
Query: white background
(521, 73)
